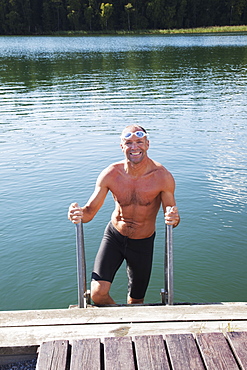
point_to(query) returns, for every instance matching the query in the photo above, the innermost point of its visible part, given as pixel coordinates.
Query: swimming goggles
(128, 135)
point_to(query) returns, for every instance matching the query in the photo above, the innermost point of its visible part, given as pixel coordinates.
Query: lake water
(63, 104)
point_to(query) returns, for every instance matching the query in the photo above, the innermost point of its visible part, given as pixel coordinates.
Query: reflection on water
(63, 104)
(229, 177)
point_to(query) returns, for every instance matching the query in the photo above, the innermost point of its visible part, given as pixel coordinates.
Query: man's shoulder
(113, 168)
(159, 167)
(161, 172)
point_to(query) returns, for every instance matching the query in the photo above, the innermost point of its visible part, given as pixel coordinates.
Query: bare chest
(142, 192)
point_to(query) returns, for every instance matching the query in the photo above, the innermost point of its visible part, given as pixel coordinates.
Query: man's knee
(100, 291)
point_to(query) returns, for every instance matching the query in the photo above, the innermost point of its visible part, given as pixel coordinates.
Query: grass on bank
(215, 29)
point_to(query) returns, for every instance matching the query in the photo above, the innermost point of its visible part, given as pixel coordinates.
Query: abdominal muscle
(134, 221)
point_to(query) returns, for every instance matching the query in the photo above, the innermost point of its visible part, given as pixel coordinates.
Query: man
(139, 187)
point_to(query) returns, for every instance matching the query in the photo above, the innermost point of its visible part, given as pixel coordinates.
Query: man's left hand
(172, 216)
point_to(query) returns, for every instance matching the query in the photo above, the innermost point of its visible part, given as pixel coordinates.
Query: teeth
(135, 153)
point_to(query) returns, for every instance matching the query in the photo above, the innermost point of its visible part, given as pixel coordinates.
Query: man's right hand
(75, 213)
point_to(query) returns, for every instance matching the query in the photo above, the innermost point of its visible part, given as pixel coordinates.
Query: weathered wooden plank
(151, 352)
(238, 342)
(183, 352)
(85, 354)
(119, 353)
(31, 336)
(124, 314)
(53, 355)
(216, 352)
(10, 355)
(18, 350)
(6, 360)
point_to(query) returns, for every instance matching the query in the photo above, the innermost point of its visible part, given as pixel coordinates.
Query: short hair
(137, 126)
(143, 129)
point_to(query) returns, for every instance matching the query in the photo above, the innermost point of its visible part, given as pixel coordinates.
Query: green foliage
(74, 14)
(46, 16)
(106, 10)
(129, 9)
(88, 14)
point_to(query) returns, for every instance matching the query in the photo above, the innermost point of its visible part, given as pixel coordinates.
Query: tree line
(24, 17)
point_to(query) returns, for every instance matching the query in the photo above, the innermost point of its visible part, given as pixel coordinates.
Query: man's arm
(168, 200)
(85, 214)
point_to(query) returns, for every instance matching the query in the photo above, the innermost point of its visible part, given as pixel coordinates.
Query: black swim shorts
(138, 253)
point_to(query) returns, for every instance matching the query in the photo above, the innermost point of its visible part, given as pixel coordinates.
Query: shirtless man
(139, 187)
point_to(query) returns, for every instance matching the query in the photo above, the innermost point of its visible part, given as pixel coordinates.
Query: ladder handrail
(168, 264)
(81, 266)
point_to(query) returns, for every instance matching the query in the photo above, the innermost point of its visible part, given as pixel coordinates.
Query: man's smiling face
(135, 148)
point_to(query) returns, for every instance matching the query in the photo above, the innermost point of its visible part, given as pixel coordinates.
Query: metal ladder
(167, 293)
(84, 294)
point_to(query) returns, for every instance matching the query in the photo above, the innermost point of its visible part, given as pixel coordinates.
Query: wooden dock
(171, 351)
(185, 337)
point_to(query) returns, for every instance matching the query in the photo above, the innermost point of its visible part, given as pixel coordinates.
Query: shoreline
(198, 30)
(148, 32)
